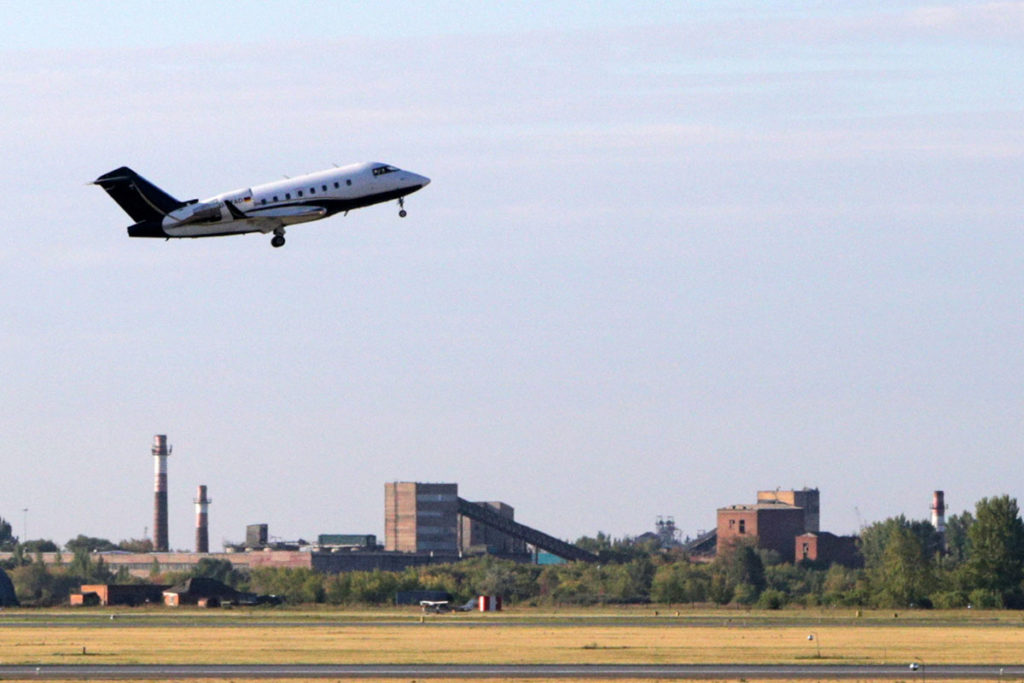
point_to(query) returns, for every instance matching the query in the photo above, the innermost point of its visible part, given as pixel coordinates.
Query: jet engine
(207, 212)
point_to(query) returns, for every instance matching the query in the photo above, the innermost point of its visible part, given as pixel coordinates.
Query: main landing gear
(402, 213)
(278, 238)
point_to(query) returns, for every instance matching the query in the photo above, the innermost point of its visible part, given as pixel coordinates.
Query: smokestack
(160, 453)
(939, 512)
(202, 520)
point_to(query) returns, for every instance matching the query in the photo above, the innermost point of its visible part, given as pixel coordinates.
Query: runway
(471, 671)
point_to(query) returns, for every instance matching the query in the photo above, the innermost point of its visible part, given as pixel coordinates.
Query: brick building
(421, 517)
(808, 499)
(828, 548)
(771, 526)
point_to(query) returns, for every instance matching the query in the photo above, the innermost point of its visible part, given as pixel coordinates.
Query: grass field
(626, 636)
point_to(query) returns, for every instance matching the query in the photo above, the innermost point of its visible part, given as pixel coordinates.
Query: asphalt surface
(471, 671)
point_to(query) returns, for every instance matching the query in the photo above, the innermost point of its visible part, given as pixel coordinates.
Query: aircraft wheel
(402, 213)
(277, 241)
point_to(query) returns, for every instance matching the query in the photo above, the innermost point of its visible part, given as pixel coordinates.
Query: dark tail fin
(141, 199)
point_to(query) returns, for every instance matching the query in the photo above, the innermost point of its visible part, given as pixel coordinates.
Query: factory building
(806, 499)
(118, 594)
(772, 523)
(432, 518)
(421, 518)
(828, 548)
(257, 536)
(475, 537)
(771, 526)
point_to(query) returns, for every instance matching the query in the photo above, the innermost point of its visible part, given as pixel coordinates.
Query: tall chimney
(939, 512)
(160, 453)
(202, 520)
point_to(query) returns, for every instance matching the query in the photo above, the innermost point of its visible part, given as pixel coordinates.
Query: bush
(950, 600)
(746, 594)
(771, 599)
(982, 598)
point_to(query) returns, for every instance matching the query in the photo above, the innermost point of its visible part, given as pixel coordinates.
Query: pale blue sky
(673, 253)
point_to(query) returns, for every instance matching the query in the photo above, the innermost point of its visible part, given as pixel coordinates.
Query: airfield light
(817, 643)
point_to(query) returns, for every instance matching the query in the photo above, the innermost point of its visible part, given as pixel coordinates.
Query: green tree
(996, 560)
(7, 538)
(874, 539)
(136, 545)
(40, 545)
(220, 570)
(743, 565)
(678, 582)
(89, 544)
(720, 590)
(295, 585)
(958, 544)
(83, 569)
(905, 577)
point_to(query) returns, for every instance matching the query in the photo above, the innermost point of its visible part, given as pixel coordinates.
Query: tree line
(979, 562)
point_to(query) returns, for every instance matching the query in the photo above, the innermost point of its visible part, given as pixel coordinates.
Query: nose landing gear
(278, 239)
(402, 213)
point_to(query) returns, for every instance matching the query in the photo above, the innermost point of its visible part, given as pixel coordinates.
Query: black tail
(141, 199)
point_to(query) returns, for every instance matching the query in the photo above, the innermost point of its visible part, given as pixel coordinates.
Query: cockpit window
(381, 170)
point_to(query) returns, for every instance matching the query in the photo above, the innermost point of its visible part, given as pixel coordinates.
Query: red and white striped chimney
(939, 512)
(202, 520)
(160, 452)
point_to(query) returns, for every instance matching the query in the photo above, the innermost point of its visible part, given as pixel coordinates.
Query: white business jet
(264, 208)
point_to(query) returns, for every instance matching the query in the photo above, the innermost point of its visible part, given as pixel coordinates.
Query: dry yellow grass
(446, 640)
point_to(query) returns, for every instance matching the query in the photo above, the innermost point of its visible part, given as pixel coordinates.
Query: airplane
(264, 208)
(440, 606)
(434, 606)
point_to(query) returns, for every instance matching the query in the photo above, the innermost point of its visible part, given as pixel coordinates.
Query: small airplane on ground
(435, 606)
(441, 606)
(264, 208)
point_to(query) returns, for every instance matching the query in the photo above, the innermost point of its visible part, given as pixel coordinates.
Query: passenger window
(335, 185)
(300, 193)
(324, 188)
(287, 195)
(348, 182)
(275, 197)
(263, 201)
(312, 190)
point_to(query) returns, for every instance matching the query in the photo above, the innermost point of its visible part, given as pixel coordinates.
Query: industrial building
(421, 518)
(477, 538)
(772, 523)
(829, 549)
(771, 526)
(118, 594)
(425, 518)
(806, 499)
(424, 524)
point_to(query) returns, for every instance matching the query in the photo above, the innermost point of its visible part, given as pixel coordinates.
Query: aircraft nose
(421, 180)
